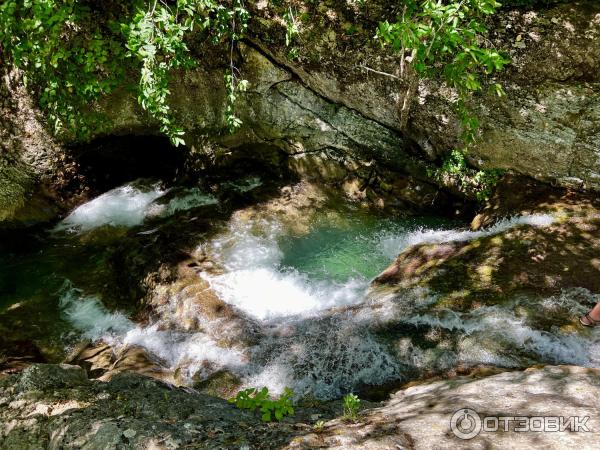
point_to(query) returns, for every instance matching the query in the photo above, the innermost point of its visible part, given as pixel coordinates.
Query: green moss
(15, 187)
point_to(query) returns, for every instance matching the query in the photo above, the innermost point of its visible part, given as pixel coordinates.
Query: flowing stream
(305, 316)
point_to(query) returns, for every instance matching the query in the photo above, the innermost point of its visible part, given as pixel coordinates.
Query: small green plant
(351, 406)
(477, 183)
(319, 426)
(291, 25)
(291, 31)
(253, 399)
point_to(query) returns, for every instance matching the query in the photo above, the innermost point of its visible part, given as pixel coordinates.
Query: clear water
(272, 273)
(364, 245)
(304, 299)
(356, 249)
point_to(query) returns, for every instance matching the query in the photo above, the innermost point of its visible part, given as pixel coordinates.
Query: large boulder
(547, 127)
(44, 377)
(419, 417)
(130, 411)
(560, 253)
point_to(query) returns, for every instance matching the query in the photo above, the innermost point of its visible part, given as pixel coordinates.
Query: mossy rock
(221, 384)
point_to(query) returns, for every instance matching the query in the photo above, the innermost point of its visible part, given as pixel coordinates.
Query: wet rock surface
(57, 407)
(540, 259)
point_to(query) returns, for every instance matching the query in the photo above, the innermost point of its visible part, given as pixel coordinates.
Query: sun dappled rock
(419, 416)
(509, 293)
(132, 411)
(542, 259)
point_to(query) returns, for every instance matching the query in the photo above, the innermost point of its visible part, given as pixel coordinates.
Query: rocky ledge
(525, 258)
(56, 406)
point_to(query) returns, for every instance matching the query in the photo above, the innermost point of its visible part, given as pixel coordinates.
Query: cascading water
(316, 326)
(130, 205)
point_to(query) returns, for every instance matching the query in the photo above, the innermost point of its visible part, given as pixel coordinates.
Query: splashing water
(320, 331)
(510, 335)
(88, 315)
(394, 244)
(123, 206)
(130, 205)
(271, 274)
(189, 199)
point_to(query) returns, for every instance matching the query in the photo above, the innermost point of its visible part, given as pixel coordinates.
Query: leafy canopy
(73, 52)
(444, 40)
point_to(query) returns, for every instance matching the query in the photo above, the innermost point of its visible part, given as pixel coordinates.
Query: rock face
(57, 407)
(340, 121)
(321, 140)
(543, 259)
(29, 156)
(547, 125)
(50, 406)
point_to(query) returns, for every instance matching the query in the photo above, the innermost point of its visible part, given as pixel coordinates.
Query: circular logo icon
(465, 423)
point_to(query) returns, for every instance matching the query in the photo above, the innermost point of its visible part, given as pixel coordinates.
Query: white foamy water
(323, 337)
(123, 206)
(176, 348)
(322, 357)
(268, 294)
(88, 315)
(130, 205)
(188, 199)
(392, 245)
(257, 284)
(510, 335)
